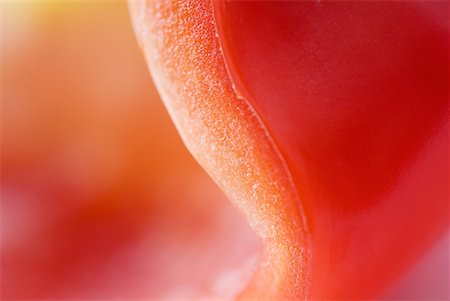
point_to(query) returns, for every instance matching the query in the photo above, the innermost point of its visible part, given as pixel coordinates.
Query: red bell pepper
(326, 123)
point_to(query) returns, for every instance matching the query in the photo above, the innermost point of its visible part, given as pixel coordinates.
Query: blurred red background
(100, 199)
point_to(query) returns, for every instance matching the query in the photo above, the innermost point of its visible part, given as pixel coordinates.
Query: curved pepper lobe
(355, 94)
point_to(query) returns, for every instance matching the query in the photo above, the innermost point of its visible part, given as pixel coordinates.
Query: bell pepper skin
(355, 94)
(227, 138)
(326, 123)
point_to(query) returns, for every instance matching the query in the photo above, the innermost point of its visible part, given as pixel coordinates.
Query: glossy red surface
(355, 94)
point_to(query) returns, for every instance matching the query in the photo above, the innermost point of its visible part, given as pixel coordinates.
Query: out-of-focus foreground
(100, 199)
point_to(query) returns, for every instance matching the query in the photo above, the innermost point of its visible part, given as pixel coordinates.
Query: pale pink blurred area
(99, 198)
(428, 279)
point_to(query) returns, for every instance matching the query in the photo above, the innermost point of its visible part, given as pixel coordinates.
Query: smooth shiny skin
(355, 95)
